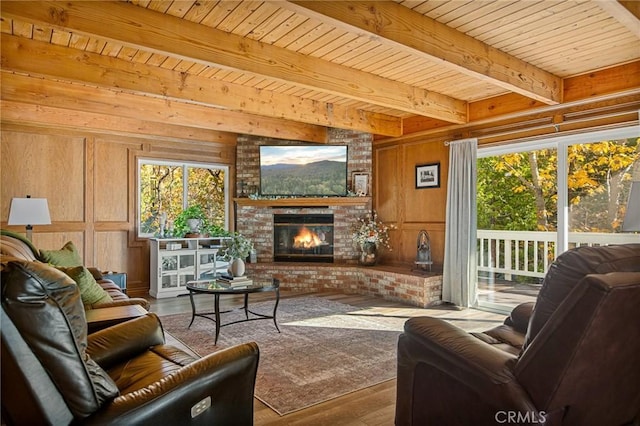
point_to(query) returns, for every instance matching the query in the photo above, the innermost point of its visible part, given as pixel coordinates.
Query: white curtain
(460, 267)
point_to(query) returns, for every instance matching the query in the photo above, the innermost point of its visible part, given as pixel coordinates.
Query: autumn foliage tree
(519, 191)
(162, 190)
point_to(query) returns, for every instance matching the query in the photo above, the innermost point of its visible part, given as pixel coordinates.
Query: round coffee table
(218, 289)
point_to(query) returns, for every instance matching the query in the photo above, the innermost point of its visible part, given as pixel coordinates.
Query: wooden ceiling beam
(396, 25)
(611, 109)
(577, 89)
(21, 113)
(39, 58)
(78, 97)
(144, 29)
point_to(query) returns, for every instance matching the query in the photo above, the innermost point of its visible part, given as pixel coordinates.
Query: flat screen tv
(303, 170)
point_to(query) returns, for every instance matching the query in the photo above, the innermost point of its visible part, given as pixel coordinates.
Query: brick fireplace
(303, 238)
(255, 218)
(257, 221)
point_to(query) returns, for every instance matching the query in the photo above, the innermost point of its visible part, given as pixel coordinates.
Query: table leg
(217, 314)
(193, 308)
(246, 305)
(275, 308)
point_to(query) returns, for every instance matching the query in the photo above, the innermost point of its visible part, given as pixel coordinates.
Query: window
(536, 200)
(169, 187)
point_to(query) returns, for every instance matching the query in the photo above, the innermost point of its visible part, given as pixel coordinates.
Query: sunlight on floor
(393, 319)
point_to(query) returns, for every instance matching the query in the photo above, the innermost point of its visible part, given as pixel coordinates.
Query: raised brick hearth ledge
(389, 282)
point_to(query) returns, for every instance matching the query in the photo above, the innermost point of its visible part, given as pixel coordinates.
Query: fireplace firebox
(303, 238)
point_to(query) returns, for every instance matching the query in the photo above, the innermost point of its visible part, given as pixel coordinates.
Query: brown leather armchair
(53, 373)
(570, 359)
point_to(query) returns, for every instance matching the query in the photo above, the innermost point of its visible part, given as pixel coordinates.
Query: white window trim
(142, 160)
(561, 144)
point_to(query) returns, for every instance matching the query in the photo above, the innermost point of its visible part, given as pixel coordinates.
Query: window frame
(561, 144)
(185, 165)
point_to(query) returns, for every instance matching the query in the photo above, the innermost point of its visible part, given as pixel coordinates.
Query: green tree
(162, 190)
(598, 181)
(518, 191)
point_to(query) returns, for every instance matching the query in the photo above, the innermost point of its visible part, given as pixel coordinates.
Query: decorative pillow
(45, 306)
(90, 291)
(67, 256)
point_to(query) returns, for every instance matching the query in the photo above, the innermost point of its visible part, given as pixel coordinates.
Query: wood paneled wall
(399, 202)
(90, 183)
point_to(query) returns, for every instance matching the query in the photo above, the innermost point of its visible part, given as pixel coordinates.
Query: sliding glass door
(536, 200)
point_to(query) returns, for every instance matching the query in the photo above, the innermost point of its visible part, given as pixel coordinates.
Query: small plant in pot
(191, 222)
(235, 250)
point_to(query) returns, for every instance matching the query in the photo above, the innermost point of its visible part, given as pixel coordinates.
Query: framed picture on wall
(428, 175)
(360, 183)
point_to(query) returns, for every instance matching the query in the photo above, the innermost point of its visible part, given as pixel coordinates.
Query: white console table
(176, 261)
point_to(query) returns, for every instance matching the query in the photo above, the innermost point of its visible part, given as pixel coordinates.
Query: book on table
(235, 281)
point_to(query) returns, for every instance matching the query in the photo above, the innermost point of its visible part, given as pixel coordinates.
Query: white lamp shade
(632, 216)
(29, 211)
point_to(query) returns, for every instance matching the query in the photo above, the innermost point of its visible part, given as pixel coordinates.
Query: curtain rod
(447, 143)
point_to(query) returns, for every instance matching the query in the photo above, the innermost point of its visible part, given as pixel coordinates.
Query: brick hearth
(421, 290)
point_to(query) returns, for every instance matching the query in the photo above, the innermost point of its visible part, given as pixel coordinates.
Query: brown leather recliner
(572, 359)
(13, 245)
(53, 373)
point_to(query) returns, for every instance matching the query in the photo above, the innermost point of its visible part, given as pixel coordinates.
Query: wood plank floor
(373, 406)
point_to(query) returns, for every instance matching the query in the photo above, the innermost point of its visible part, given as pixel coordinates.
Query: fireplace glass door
(303, 238)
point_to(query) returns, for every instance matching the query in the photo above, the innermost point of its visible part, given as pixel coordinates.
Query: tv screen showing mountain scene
(303, 170)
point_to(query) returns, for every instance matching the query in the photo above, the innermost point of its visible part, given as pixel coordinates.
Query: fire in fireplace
(303, 237)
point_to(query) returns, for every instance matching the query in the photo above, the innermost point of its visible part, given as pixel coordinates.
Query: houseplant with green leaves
(235, 250)
(184, 223)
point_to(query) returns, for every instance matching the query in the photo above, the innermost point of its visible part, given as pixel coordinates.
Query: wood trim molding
(303, 201)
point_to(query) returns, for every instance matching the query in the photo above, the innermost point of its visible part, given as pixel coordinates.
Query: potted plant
(370, 235)
(192, 221)
(235, 250)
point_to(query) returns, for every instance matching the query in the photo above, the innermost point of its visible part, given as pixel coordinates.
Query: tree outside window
(168, 188)
(519, 192)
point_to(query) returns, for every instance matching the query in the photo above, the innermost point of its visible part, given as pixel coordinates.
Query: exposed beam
(144, 29)
(581, 88)
(21, 113)
(606, 110)
(401, 27)
(78, 97)
(35, 57)
(602, 82)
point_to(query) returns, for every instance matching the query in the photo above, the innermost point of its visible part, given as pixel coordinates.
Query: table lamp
(29, 211)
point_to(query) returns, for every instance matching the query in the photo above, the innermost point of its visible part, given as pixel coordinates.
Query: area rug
(326, 349)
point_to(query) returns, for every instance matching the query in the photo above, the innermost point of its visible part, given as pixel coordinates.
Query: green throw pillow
(66, 256)
(90, 291)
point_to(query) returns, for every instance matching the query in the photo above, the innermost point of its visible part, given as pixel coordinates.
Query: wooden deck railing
(530, 253)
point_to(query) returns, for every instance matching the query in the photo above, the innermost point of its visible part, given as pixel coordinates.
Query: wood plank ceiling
(291, 69)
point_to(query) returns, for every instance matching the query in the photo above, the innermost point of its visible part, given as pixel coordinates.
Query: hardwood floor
(373, 406)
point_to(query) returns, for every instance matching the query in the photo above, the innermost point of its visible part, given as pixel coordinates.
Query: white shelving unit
(176, 261)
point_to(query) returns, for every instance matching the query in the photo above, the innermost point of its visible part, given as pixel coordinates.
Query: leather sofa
(569, 359)
(54, 373)
(15, 246)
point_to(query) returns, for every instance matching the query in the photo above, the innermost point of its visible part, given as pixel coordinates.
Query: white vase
(237, 267)
(194, 225)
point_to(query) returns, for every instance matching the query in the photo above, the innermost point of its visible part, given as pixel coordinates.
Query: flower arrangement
(369, 229)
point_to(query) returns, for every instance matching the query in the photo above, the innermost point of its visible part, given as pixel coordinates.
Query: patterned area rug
(325, 349)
